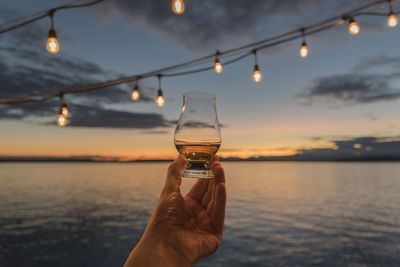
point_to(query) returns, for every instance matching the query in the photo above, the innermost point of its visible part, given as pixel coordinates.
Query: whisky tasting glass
(197, 134)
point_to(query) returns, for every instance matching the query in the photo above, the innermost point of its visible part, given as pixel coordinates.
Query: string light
(178, 6)
(61, 120)
(240, 52)
(52, 43)
(135, 93)
(353, 27)
(63, 113)
(64, 110)
(217, 66)
(160, 98)
(304, 48)
(257, 76)
(392, 20)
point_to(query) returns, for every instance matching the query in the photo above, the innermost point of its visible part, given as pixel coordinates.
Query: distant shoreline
(260, 159)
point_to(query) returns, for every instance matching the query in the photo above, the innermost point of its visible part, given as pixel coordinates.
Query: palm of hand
(193, 225)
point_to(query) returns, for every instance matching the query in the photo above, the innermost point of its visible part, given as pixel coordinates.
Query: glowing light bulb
(52, 44)
(64, 110)
(392, 20)
(218, 66)
(61, 120)
(257, 76)
(160, 98)
(353, 27)
(304, 50)
(135, 93)
(178, 7)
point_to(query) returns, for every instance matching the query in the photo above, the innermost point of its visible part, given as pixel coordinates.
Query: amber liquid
(197, 152)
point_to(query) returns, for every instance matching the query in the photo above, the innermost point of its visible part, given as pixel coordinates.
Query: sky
(343, 98)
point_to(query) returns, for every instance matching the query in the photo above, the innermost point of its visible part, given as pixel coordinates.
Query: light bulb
(304, 50)
(218, 66)
(178, 7)
(160, 98)
(52, 44)
(257, 76)
(135, 93)
(61, 120)
(353, 27)
(64, 110)
(392, 20)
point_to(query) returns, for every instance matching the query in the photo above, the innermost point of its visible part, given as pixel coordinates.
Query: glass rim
(199, 94)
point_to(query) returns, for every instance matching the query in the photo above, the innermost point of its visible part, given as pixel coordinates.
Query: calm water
(279, 214)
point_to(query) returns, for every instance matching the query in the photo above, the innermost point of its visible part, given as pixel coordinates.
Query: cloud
(359, 86)
(27, 69)
(354, 88)
(359, 147)
(198, 124)
(378, 61)
(84, 116)
(221, 23)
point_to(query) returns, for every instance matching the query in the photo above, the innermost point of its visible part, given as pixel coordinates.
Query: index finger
(173, 181)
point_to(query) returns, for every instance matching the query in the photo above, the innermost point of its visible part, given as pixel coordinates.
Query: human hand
(183, 230)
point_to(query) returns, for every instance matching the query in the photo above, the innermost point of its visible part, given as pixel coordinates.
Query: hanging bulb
(160, 98)
(64, 110)
(257, 76)
(304, 49)
(135, 93)
(178, 7)
(392, 20)
(52, 44)
(218, 66)
(353, 27)
(61, 120)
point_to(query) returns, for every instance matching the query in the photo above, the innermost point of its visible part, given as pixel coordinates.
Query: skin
(183, 229)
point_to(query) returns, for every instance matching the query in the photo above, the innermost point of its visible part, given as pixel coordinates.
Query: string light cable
(238, 52)
(12, 21)
(42, 14)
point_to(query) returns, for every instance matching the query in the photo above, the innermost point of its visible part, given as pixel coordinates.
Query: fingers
(198, 189)
(219, 175)
(212, 160)
(201, 186)
(174, 179)
(208, 194)
(218, 214)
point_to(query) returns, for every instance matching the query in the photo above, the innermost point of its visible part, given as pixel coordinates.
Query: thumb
(173, 181)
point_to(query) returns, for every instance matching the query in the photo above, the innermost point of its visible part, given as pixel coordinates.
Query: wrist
(153, 251)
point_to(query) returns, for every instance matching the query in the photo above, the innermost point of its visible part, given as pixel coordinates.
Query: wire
(33, 15)
(207, 68)
(46, 13)
(166, 71)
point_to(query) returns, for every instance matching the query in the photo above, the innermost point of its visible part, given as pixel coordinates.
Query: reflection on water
(279, 214)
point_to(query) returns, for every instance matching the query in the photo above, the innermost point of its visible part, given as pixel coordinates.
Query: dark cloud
(198, 124)
(354, 88)
(154, 132)
(221, 23)
(28, 69)
(360, 147)
(84, 116)
(378, 61)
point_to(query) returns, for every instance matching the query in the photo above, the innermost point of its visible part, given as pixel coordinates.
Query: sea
(278, 213)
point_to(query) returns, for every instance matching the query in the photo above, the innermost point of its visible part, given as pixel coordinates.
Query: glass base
(197, 170)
